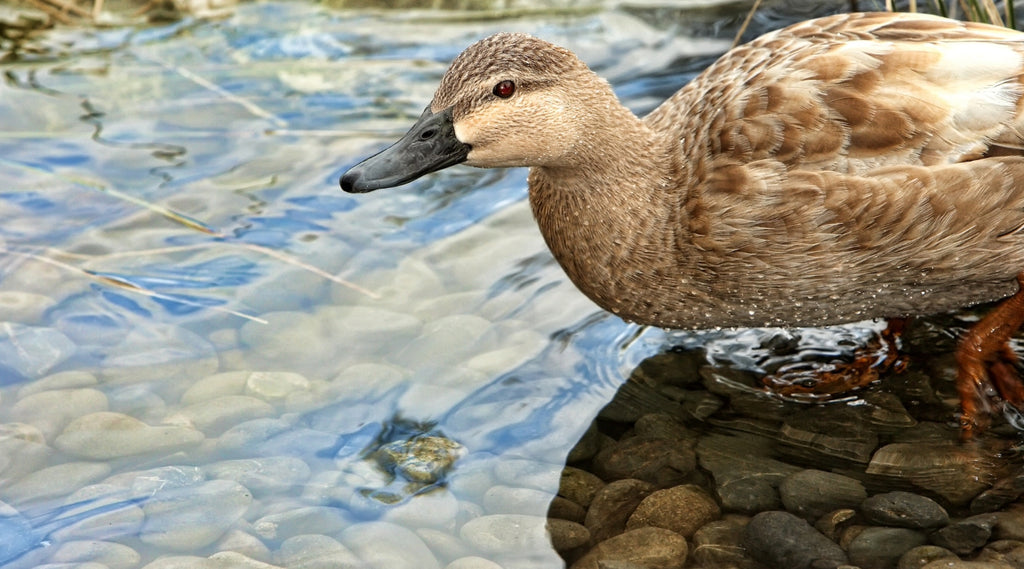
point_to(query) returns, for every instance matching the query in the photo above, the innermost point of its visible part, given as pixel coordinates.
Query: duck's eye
(504, 89)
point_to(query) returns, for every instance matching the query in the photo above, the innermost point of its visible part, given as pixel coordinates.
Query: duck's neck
(612, 216)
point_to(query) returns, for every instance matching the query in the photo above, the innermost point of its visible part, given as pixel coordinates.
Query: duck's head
(507, 100)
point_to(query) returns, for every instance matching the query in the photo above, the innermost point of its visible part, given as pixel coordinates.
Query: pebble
(563, 509)
(612, 506)
(214, 416)
(647, 547)
(251, 434)
(746, 481)
(446, 545)
(513, 500)
(214, 386)
(32, 351)
(300, 521)
(275, 385)
(954, 471)
(904, 509)
(682, 509)
(566, 535)
(181, 562)
(472, 563)
(719, 545)
(263, 476)
(159, 352)
(781, 540)
(106, 435)
(51, 411)
(918, 557)
(112, 513)
(61, 380)
(235, 560)
(184, 519)
(313, 551)
(882, 547)
(947, 564)
(811, 494)
(506, 533)
(657, 461)
(528, 473)
(54, 481)
(1006, 551)
(579, 485)
(964, 536)
(435, 508)
(244, 543)
(443, 342)
(23, 451)
(112, 555)
(384, 545)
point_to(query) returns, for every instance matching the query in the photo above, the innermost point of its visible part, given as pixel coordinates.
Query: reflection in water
(303, 379)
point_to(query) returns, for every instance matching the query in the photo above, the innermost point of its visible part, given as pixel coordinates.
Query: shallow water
(207, 350)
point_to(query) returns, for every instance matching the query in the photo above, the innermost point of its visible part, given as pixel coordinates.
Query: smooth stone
(647, 547)
(436, 508)
(782, 540)
(1004, 492)
(159, 352)
(215, 416)
(719, 545)
(313, 551)
(472, 563)
(214, 386)
(588, 445)
(107, 435)
(23, 307)
(251, 434)
(833, 524)
(275, 385)
(1006, 551)
(184, 519)
(512, 500)
(658, 461)
(882, 547)
(506, 533)
(904, 509)
(682, 509)
(918, 557)
(265, 475)
(381, 545)
(300, 521)
(51, 411)
(566, 535)
(954, 471)
(32, 351)
(947, 564)
(579, 485)
(180, 562)
(811, 494)
(54, 481)
(1010, 523)
(528, 473)
(820, 434)
(563, 509)
(245, 543)
(966, 535)
(112, 514)
(613, 505)
(235, 560)
(746, 480)
(62, 380)
(23, 451)
(444, 342)
(445, 544)
(112, 555)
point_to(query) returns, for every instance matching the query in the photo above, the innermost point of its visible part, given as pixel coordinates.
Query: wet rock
(423, 459)
(812, 493)
(183, 519)
(506, 533)
(918, 557)
(214, 416)
(380, 544)
(745, 479)
(51, 411)
(563, 509)
(76, 379)
(647, 547)
(1003, 492)
(587, 446)
(832, 524)
(681, 509)
(300, 521)
(663, 426)
(1010, 523)
(719, 545)
(159, 352)
(904, 509)
(245, 543)
(781, 540)
(955, 472)
(508, 500)
(882, 547)
(657, 461)
(113, 514)
(528, 473)
(612, 506)
(112, 555)
(579, 486)
(823, 433)
(436, 508)
(106, 435)
(181, 562)
(566, 535)
(964, 536)
(274, 386)
(263, 476)
(1006, 551)
(316, 552)
(32, 351)
(472, 563)
(54, 481)
(23, 450)
(947, 564)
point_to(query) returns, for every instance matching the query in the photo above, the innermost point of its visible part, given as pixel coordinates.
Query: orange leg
(985, 359)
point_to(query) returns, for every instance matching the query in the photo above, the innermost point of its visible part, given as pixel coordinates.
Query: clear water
(291, 325)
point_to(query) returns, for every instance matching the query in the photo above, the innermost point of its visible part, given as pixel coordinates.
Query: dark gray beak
(429, 146)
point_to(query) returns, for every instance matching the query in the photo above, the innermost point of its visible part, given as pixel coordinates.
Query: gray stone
(658, 461)
(112, 555)
(31, 351)
(1006, 551)
(506, 533)
(314, 551)
(300, 521)
(191, 517)
(918, 557)
(264, 475)
(719, 545)
(811, 494)
(745, 480)
(964, 536)
(904, 509)
(509, 500)
(882, 547)
(214, 416)
(472, 563)
(106, 435)
(381, 545)
(612, 506)
(781, 540)
(54, 481)
(51, 411)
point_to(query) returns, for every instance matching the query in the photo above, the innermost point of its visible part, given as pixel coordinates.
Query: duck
(851, 167)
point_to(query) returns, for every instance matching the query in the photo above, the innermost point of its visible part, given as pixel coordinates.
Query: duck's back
(856, 166)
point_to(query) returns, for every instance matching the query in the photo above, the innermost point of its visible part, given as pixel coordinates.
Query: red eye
(504, 89)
